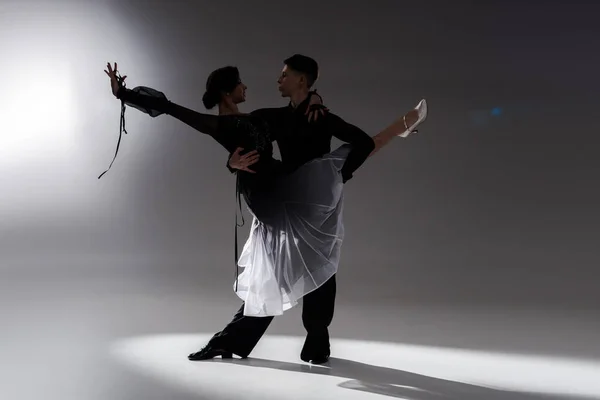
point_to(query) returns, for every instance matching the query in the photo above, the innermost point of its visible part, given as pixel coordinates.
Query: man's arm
(362, 143)
(313, 106)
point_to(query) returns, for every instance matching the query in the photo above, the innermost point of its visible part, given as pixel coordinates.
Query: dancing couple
(294, 245)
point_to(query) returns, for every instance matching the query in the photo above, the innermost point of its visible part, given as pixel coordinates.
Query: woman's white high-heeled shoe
(422, 110)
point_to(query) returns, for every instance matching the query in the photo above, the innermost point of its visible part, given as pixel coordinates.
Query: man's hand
(114, 82)
(315, 107)
(242, 162)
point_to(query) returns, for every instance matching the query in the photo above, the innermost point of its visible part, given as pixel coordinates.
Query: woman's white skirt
(299, 248)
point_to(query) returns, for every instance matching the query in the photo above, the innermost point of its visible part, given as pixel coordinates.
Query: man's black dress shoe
(314, 358)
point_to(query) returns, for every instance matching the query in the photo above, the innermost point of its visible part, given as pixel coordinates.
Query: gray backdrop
(490, 209)
(494, 201)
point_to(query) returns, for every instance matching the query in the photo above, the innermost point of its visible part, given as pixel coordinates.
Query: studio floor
(113, 335)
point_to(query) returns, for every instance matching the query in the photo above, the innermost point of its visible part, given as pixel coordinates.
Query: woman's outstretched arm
(155, 103)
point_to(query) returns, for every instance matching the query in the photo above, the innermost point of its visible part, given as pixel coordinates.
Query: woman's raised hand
(114, 81)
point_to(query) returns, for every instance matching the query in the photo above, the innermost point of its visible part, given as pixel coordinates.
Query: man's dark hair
(304, 65)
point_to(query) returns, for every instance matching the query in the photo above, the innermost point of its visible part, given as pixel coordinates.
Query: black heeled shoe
(209, 352)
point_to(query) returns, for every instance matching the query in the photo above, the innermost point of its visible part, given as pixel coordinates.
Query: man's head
(299, 74)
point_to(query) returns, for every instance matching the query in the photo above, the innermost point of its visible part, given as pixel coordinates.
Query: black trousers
(242, 334)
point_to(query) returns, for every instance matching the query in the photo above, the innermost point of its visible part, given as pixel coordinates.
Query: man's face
(290, 81)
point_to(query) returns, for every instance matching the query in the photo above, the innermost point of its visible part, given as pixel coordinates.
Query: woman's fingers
(111, 70)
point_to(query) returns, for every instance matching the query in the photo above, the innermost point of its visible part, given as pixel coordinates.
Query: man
(299, 141)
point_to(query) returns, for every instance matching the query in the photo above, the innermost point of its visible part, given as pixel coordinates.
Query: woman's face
(238, 95)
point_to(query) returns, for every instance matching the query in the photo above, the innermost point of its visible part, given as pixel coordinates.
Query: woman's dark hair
(222, 80)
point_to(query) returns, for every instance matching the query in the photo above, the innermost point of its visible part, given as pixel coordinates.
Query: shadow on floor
(396, 383)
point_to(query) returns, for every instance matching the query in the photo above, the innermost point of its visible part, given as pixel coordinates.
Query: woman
(296, 235)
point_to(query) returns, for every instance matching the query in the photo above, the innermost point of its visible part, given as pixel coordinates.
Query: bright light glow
(360, 370)
(53, 53)
(36, 113)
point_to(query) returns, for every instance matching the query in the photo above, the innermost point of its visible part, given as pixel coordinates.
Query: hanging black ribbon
(238, 196)
(122, 129)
